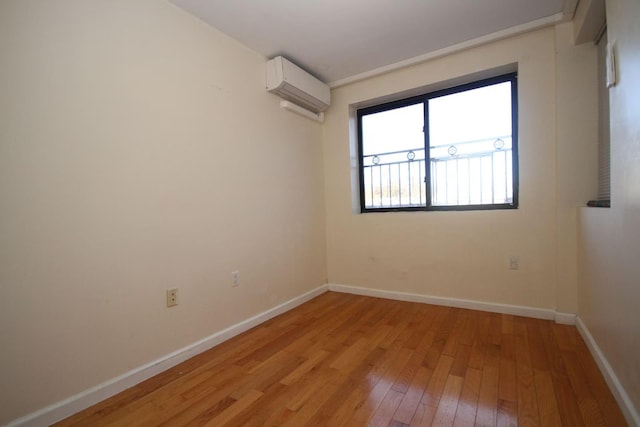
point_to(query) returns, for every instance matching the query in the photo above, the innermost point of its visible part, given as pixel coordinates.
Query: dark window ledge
(599, 203)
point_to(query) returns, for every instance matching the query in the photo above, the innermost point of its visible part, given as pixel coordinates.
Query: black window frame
(423, 99)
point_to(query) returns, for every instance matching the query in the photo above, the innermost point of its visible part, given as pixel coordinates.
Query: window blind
(604, 156)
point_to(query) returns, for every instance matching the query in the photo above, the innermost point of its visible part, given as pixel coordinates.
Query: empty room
(319, 213)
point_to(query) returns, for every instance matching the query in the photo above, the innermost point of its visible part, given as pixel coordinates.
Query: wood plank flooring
(347, 360)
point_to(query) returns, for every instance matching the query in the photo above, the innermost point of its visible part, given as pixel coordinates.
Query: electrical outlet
(172, 297)
(235, 278)
(514, 262)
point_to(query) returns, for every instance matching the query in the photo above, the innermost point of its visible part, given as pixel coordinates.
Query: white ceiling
(339, 39)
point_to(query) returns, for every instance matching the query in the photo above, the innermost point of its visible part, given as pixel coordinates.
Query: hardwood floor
(350, 360)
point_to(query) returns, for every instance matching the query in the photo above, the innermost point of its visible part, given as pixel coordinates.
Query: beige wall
(577, 150)
(609, 285)
(465, 254)
(139, 151)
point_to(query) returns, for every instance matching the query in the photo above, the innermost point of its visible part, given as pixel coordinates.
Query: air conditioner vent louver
(292, 83)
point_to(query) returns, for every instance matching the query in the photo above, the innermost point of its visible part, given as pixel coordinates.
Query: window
(454, 149)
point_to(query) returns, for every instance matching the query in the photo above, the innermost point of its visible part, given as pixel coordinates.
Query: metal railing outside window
(466, 173)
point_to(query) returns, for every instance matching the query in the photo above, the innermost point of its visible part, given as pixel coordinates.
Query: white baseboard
(620, 394)
(83, 400)
(516, 310)
(565, 318)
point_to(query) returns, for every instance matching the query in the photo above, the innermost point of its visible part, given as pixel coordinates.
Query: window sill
(599, 203)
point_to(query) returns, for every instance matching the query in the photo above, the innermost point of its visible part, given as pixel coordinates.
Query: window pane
(393, 158)
(470, 147)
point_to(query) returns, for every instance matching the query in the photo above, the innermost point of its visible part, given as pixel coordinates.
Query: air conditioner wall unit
(290, 82)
